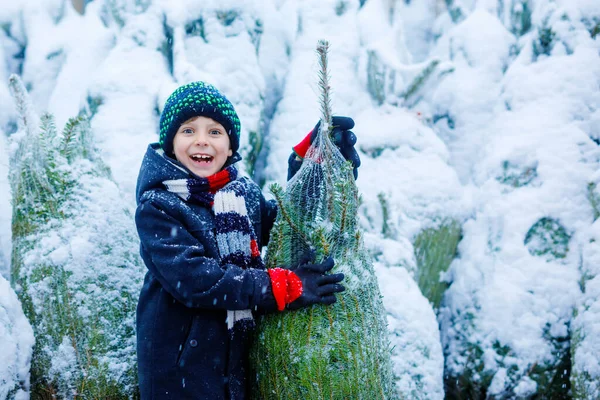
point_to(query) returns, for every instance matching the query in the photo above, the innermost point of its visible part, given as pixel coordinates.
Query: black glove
(342, 137)
(317, 286)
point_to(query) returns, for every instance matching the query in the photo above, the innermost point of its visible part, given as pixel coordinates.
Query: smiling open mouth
(201, 158)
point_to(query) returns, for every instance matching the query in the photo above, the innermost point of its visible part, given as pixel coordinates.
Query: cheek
(178, 148)
(176, 145)
(176, 141)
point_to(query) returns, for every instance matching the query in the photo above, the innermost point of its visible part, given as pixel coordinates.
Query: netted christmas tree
(323, 352)
(75, 263)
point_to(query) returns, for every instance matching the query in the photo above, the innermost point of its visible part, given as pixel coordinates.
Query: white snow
(414, 335)
(503, 133)
(5, 206)
(17, 345)
(501, 294)
(586, 324)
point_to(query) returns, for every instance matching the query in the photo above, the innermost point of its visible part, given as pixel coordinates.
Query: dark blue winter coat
(183, 345)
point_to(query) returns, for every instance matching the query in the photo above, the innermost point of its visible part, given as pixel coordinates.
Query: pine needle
(19, 93)
(325, 98)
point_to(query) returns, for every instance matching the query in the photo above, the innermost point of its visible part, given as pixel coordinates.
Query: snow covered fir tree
(74, 261)
(478, 125)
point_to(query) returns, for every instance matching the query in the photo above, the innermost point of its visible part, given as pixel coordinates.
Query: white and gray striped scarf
(235, 235)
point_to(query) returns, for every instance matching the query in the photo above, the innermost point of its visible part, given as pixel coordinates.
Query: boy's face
(202, 145)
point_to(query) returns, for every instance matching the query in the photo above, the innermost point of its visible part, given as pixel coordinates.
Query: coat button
(193, 343)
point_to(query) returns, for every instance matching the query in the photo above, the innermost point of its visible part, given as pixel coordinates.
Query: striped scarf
(201, 190)
(236, 239)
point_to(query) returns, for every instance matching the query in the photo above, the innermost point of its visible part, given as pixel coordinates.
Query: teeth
(199, 157)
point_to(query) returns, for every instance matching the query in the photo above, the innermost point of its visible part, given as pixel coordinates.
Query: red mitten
(308, 284)
(286, 285)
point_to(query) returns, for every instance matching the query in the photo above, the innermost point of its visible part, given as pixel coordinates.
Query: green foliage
(585, 380)
(166, 47)
(455, 10)
(554, 379)
(69, 144)
(435, 248)
(468, 379)
(517, 176)
(256, 143)
(594, 198)
(420, 79)
(547, 237)
(337, 351)
(386, 229)
(595, 30)
(375, 152)
(118, 10)
(475, 378)
(449, 120)
(83, 323)
(256, 33)
(579, 379)
(583, 384)
(467, 386)
(94, 103)
(38, 186)
(471, 379)
(381, 78)
(19, 44)
(341, 7)
(59, 12)
(520, 17)
(196, 28)
(545, 40)
(325, 96)
(60, 54)
(10, 395)
(227, 17)
(323, 352)
(376, 72)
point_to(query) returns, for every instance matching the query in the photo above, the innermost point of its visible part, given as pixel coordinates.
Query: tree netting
(323, 352)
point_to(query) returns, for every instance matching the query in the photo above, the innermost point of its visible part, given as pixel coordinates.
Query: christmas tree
(75, 266)
(333, 352)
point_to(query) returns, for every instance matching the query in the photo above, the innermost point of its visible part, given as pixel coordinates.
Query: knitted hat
(197, 99)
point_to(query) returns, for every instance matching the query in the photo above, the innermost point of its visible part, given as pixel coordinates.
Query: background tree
(75, 265)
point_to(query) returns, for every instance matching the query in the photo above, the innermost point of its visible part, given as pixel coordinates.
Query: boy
(201, 228)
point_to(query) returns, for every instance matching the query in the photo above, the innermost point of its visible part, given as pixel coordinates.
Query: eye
(187, 131)
(216, 132)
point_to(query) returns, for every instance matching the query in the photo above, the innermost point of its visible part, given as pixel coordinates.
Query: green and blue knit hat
(197, 99)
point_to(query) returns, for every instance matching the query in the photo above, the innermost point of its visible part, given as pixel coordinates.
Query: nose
(201, 139)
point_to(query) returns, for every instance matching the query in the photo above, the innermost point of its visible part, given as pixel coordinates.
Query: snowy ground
(483, 112)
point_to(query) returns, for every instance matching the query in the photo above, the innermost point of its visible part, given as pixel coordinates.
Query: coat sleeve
(268, 213)
(178, 261)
